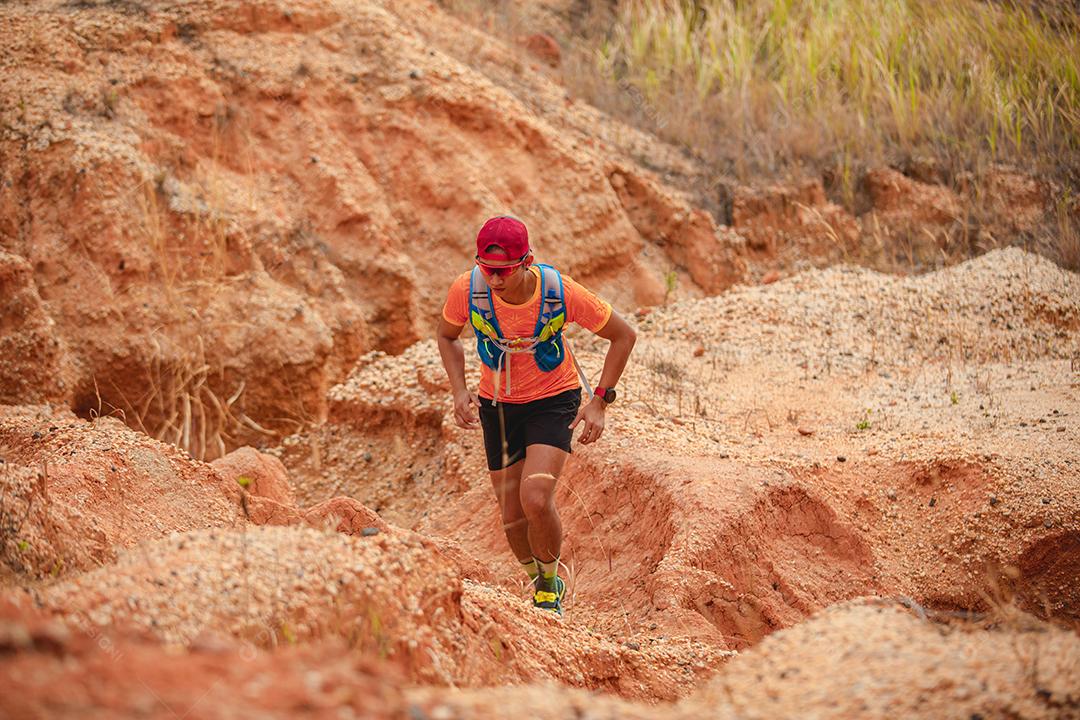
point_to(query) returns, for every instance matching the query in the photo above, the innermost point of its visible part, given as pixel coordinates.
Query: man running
(529, 397)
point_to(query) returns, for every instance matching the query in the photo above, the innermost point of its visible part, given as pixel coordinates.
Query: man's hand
(453, 357)
(593, 415)
(465, 407)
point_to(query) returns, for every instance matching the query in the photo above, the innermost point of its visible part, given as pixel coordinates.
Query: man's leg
(506, 484)
(543, 464)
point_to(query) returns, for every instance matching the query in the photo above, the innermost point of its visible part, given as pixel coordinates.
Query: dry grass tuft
(841, 82)
(184, 398)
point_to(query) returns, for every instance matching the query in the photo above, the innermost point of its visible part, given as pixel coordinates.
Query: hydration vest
(546, 346)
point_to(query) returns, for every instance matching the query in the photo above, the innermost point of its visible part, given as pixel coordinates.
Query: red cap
(506, 232)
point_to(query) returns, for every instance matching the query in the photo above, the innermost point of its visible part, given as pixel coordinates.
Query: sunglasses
(500, 270)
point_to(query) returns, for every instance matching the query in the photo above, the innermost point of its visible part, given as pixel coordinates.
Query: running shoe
(551, 601)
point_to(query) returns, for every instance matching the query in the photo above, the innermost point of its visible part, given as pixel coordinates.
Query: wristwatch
(608, 395)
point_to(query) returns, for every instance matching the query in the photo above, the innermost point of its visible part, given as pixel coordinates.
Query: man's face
(504, 275)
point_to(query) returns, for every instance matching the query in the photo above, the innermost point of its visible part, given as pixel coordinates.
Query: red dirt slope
(311, 167)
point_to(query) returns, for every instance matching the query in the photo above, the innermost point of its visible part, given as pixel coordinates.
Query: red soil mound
(392, 593)
(51, 671)
(260, 474)
(874, 662)
(891, 662)
(75, 492)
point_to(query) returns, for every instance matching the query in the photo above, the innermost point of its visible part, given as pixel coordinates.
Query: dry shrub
(183, 396)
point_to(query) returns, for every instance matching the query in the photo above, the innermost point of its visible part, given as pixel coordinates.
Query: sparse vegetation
(16, 503)
(846, 81)
(864, 423)
(767, 88)
(110, 99)
(834, 86)
(668, 369)
(671, 283)
(30, 542)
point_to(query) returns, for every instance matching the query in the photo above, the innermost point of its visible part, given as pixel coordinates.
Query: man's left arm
(591, 413)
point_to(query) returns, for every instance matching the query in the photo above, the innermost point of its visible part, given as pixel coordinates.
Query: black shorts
(539, 422)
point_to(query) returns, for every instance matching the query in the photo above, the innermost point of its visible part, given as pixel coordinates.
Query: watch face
(609, 395)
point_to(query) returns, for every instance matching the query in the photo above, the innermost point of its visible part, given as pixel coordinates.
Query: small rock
(933, 502)
(841, 458)
(890, 493)
(1048, 523)
(994, 500)
(369, 531)
(1046, 501)
(632, 645)
(804, 430)
(699, 351)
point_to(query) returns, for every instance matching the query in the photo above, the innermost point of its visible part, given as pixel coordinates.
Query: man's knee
(537, 492)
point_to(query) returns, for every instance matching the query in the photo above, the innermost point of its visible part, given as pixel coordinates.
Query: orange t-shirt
(527, 381)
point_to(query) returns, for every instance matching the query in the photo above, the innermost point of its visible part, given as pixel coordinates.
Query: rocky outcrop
(912, 222)
(780, 219)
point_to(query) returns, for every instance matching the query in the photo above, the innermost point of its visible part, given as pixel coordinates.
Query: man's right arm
(453, 359)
